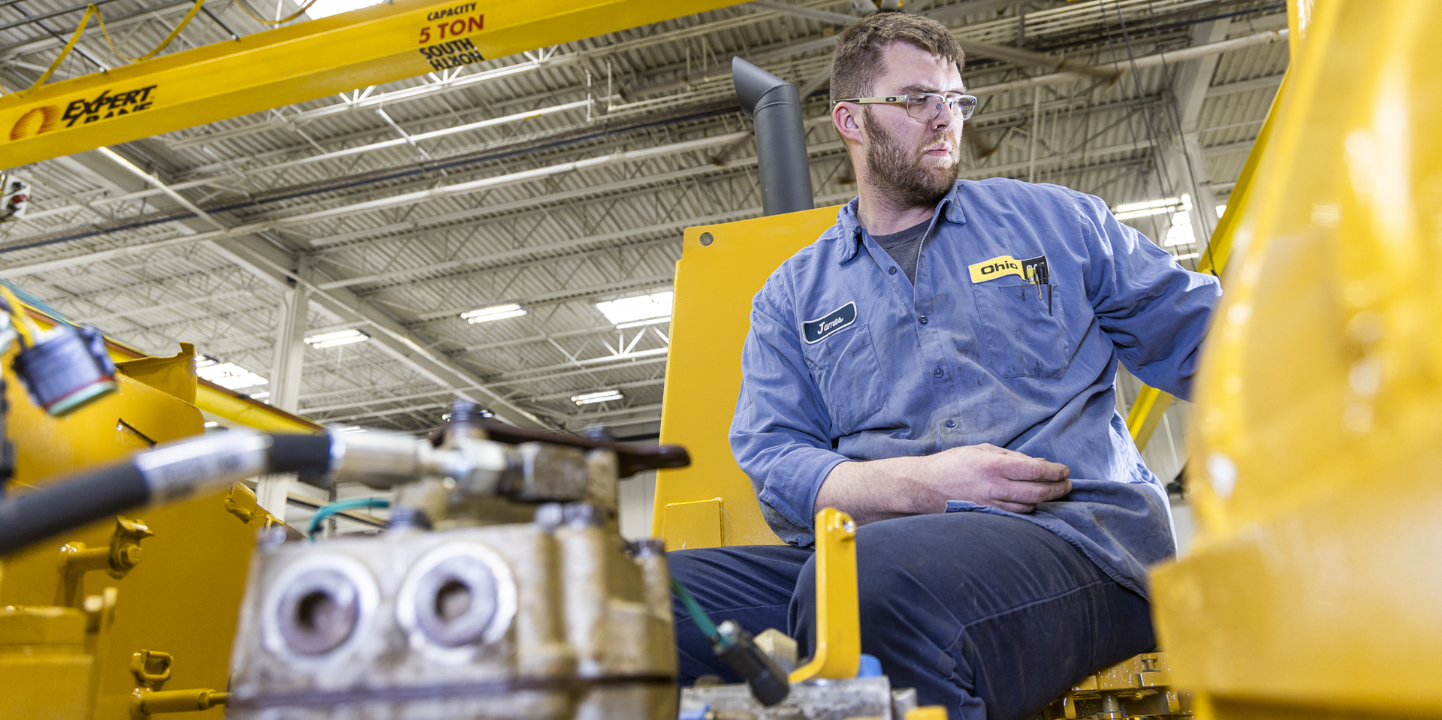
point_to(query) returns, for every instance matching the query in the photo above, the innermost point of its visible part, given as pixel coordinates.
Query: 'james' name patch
(813, 331)
(995, 268)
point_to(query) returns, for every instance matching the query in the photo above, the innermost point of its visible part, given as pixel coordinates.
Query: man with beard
(940, 365)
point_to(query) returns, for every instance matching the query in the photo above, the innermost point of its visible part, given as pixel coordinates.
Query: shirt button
(951, 423)
(891, 270)
(922, 320)
(938, 371)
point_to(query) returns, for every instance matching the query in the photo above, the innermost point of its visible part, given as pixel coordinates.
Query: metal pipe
(775, 106)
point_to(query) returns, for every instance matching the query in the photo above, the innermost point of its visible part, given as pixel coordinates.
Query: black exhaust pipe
(775, 106)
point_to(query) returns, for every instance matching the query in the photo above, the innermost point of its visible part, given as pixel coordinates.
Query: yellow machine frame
(722, 267)
(1312, 590)
(178, 592)
(177, 589)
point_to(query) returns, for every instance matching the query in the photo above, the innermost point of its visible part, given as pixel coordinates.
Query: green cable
(342, 506)
(697, 614)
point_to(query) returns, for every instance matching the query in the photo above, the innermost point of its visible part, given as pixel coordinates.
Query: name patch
(995, 268)
(814, 330)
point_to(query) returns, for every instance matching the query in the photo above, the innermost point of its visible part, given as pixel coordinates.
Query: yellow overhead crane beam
(301, 62)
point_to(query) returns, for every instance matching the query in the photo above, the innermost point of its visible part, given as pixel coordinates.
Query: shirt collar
(850, 241)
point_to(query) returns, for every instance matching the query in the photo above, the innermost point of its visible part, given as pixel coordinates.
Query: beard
(898, 171)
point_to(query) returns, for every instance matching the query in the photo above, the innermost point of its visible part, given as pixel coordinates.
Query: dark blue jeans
(990, 616)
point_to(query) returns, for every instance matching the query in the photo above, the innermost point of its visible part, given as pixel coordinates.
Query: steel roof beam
(394, 201)
(273, 265)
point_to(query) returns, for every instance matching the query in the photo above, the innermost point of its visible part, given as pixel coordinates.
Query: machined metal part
(1140, 686)
(630, 459)
(457, 624)
(384, 460)
(549, 472)
(458, 595)
(317, 610)
(811, 700)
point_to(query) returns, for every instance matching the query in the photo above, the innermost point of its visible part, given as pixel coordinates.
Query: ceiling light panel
(342, 337)
(494, 312)
(229, 375)
(636, 309)
(599, 396)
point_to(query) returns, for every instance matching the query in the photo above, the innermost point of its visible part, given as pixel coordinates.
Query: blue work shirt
(847, 360)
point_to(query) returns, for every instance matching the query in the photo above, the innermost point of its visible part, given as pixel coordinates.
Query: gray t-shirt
(905, 247)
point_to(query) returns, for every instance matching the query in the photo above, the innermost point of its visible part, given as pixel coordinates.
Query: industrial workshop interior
(718, 360)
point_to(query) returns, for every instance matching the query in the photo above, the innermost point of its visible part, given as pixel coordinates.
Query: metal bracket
(838, 619)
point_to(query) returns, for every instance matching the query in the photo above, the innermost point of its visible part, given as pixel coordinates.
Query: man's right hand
(983, 474)
(988, 475)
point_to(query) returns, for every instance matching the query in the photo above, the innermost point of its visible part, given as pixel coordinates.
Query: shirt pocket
(847, 370)
(1022, 338)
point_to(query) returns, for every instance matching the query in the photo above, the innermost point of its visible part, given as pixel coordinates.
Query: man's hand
(988, 475)
(984, 474)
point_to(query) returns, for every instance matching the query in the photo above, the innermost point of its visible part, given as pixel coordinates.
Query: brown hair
(857, 60)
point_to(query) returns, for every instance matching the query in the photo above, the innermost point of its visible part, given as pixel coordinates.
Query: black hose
(162, 474)
(29, 518)
(305, 455)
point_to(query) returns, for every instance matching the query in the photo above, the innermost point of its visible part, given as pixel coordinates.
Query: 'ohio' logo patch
(995, 268)
(815, 330)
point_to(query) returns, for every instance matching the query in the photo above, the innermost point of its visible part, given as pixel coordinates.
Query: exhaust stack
(775, 106)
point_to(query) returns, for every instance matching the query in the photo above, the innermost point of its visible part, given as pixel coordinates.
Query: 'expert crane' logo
(106, 105)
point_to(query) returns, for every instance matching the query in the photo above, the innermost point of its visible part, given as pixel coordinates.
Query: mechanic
(941, 365)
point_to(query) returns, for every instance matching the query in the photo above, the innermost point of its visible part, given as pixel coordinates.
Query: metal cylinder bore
(318, 612)
(456, 601)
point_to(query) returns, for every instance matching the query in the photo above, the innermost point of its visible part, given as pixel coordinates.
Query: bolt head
(130, 556)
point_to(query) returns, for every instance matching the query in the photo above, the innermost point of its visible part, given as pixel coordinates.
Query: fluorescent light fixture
(599, 396)
(212, 424)
(327, 8)
(332, 339)
(229, 375)
(494, 312)
(1189, 256)
(260, 395)
(633, 309)
(204, 361)
(1129, 211)
(1221, 210)
(349, 430)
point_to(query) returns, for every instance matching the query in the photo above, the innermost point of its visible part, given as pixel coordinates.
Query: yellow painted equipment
(1313, 590)
(1151, 403)
(838, 620)
(721, 268)
(75, 611)
(309, 60)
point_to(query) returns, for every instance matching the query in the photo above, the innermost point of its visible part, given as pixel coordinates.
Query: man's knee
(887, 583)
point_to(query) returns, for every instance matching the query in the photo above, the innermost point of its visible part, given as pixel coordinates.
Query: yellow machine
(95, 623)
(711, 503)
(1311, 592)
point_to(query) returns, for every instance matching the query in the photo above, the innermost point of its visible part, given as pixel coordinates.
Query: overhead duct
(775, 106)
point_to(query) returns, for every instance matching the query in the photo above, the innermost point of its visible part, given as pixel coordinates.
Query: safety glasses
(924, 106)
